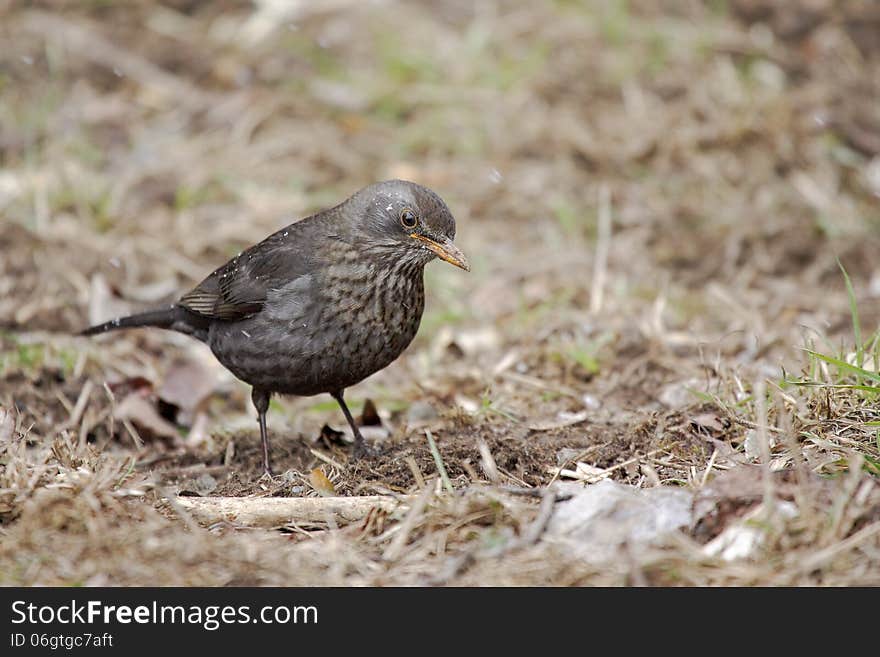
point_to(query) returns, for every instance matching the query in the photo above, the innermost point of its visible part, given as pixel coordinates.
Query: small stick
(80, 406)
(135, 436)
(709, 467)
(416, 471)
(327, 459)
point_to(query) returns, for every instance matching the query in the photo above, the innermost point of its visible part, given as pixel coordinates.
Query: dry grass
(654, 197)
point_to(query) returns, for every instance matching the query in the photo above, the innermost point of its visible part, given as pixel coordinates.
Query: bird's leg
(360, 447)
(261, 402)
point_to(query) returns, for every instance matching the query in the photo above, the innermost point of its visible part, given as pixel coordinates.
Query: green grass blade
(839, 386)
(843, 366)
(854, 312)
(438, 461)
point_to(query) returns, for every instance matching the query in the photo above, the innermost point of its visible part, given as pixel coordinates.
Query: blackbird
(321, 304)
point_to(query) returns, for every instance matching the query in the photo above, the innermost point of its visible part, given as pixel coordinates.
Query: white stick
(603, 243)
(279, 511)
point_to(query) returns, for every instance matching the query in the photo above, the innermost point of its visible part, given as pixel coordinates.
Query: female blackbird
(321, 304)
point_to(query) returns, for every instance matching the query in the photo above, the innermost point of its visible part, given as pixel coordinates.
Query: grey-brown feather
(324, 302)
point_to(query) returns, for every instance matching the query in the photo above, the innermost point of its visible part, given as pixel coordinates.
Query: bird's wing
(239, 288)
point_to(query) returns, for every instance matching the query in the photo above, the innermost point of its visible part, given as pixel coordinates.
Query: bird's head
(404, 220)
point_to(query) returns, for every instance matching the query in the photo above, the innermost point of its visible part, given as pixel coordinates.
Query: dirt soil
(658, 199)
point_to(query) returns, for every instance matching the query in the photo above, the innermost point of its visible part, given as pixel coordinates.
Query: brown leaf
(330, 436)
(709, 421)
(321, 483)
(130, 385)
(142, 413)
(370, 416)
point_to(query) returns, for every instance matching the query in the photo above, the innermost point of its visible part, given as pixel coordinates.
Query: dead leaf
(370, 416)
(322, 485)
(330, 436)
(563, 419)
(709, 421)
(131, 384)
(142, 413)
(186, 385)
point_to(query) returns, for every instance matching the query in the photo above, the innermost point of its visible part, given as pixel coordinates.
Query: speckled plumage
(323, 303)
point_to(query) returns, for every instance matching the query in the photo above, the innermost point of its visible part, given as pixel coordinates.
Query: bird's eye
(408, 218)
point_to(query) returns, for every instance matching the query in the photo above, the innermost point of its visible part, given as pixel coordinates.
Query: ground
(671, 212)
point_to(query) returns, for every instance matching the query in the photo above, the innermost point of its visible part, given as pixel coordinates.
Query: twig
(416, 471)
(327, 459)
(135, 436)
(709, 467)
(80, 406)
(738, 420)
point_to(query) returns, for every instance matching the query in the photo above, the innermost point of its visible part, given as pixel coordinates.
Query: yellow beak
(445, 250)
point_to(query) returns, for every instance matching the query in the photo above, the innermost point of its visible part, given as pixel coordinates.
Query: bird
(321, 304)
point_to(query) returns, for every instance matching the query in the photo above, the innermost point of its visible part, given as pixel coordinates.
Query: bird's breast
(375, 312)
(325, 331)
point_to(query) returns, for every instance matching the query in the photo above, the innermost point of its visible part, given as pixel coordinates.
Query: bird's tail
(162, 318)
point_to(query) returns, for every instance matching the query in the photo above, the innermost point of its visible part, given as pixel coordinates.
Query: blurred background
(735, 145)
(653, 195)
